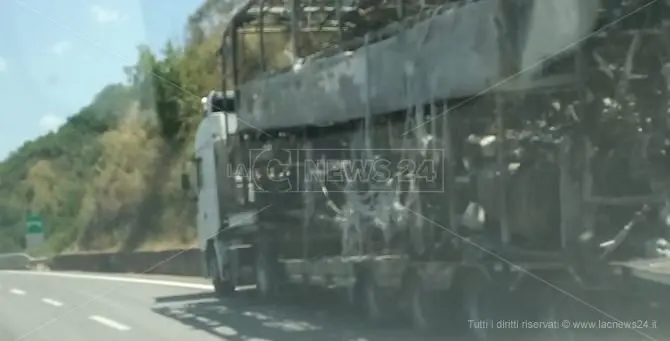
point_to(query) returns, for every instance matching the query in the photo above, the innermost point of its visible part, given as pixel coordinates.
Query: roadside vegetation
(108, 179)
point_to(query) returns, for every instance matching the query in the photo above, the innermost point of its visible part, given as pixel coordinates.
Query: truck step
(240, 246)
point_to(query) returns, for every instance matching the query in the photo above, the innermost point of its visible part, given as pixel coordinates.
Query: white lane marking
(17, 292)
(52, 302)
(109, 323)
(115, 278)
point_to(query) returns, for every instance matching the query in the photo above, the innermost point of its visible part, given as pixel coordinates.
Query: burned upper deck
(460, 51)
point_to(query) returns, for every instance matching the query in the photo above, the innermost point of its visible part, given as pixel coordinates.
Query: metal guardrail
(186, 262)
(20, 261)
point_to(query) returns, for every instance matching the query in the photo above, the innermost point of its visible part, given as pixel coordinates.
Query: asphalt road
(54, 306)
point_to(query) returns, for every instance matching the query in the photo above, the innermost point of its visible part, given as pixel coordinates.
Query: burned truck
(419, 156)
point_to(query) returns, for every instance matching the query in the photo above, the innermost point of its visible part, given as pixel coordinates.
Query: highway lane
(49, 306)
(46, 307)
(54, 306)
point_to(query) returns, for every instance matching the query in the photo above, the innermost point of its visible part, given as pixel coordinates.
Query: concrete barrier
(185, 262)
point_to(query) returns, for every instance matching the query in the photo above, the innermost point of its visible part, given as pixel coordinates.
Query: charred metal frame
(577, 199)
(542, 124)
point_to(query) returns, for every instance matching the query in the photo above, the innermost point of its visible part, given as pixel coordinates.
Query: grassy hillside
(108, 178)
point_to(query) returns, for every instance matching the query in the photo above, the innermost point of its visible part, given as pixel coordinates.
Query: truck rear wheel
(423, 306)
(376, 302)
(479, 297)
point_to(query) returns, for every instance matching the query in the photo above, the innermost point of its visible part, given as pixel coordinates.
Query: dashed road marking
(109, 323)
(17, 292)
(52, 302)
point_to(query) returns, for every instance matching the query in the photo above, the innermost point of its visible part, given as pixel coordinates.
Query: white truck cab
(218, 124)
(215, 128)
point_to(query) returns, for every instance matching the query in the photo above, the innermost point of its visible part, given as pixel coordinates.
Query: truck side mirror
(185, 182)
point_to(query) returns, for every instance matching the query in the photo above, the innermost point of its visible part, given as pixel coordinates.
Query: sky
(55, 55)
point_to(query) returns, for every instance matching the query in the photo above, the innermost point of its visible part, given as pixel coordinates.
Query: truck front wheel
(222, 287)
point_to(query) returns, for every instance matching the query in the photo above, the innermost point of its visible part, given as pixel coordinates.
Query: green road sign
(34, 224)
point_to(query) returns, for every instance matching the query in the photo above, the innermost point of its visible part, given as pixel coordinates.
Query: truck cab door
(207, 212)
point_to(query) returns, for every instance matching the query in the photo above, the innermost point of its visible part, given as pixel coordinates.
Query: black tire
(378, 306)
(354, 296)
(478, 293)
(562, 307)
(554, 313)
(266, 274)
(490, 303)
(424, 306)
(222, 287)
